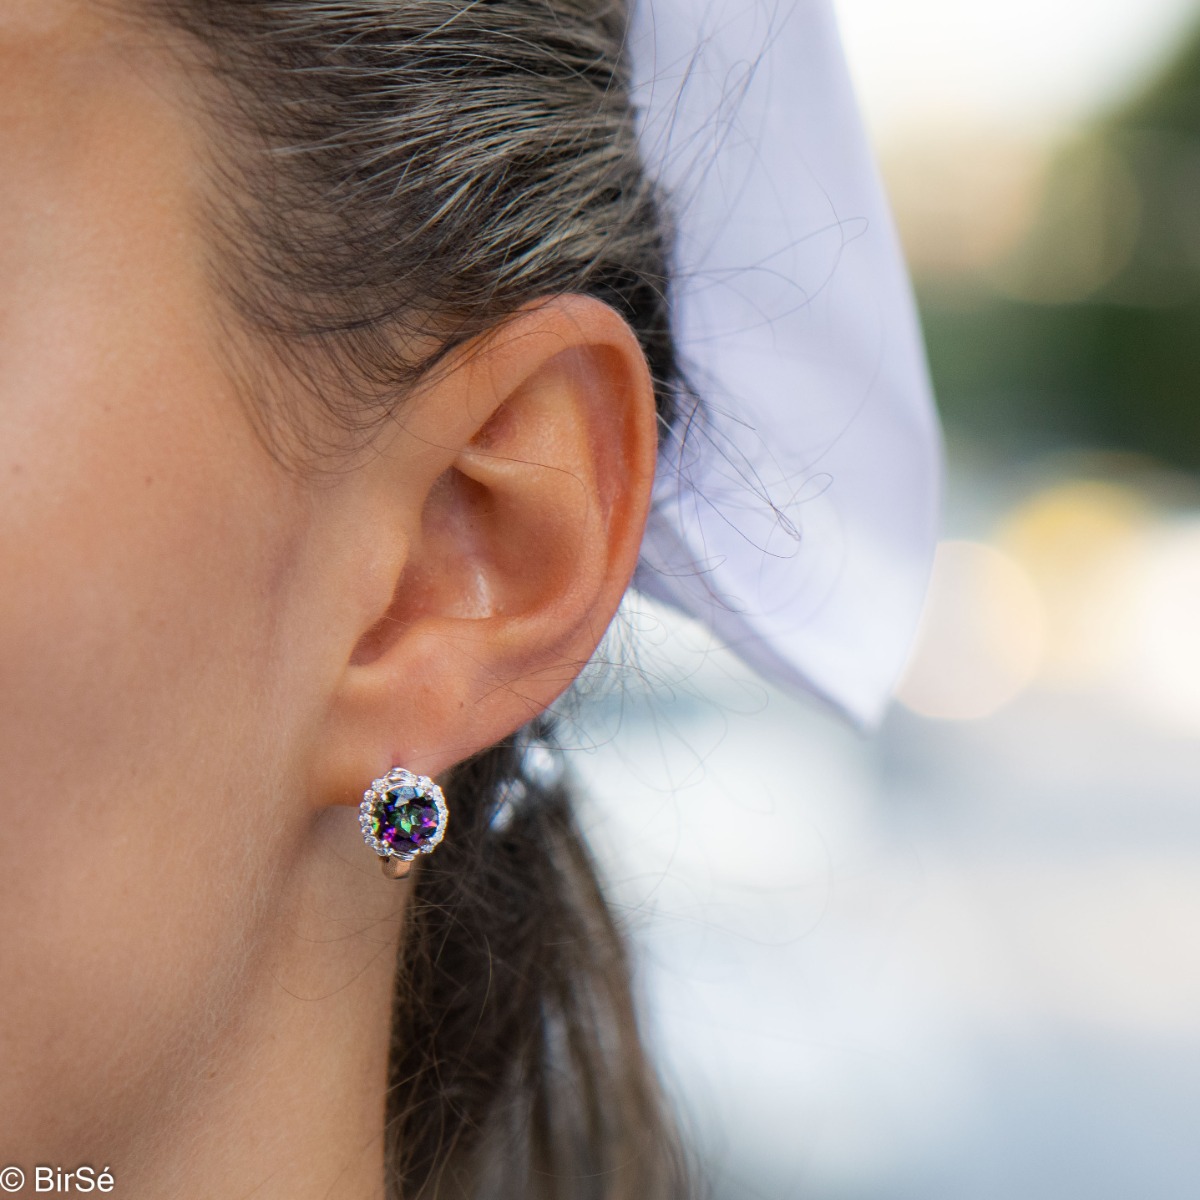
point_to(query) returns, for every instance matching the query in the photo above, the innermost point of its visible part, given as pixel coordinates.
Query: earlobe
(519, 547)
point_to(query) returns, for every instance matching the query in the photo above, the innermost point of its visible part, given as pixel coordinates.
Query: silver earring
(402, 815)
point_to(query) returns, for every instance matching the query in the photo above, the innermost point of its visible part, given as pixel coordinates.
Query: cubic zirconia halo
(403, 815)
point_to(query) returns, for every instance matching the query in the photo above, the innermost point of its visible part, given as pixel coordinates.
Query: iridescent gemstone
(406, 817)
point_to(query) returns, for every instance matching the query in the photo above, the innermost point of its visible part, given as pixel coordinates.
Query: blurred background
(961, 959)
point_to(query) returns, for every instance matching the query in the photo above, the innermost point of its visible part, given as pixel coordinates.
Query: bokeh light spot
(982, 635)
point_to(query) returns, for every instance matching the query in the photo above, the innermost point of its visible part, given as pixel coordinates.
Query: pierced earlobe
(402, 815)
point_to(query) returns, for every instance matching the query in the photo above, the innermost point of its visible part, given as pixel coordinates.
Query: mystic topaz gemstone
(404, 819)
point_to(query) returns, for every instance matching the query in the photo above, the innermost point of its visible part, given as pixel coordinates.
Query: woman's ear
(513, 496)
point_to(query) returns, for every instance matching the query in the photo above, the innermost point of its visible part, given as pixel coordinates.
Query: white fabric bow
(798, 516)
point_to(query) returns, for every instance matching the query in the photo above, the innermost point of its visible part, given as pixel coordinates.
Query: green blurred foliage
(1091, 333)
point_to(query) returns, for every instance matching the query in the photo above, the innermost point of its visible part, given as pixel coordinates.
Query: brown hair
(402, 176)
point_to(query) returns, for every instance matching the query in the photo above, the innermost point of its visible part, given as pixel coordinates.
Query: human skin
(208, 651)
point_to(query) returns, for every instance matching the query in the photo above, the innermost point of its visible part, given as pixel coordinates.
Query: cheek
(145, 707)
(141, 723)
(136, 763)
